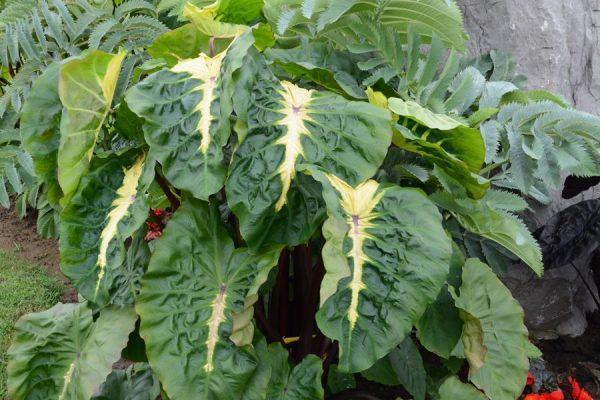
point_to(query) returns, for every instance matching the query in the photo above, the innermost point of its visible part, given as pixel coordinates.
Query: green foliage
(312, 176)
(80, 350)
(25, 288)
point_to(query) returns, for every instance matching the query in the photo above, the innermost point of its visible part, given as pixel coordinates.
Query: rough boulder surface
(556, 44)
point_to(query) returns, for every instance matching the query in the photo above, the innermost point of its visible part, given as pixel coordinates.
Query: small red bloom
(530, 379)
(158, 212)
(153, 226)
(556, 395)
(577, 392)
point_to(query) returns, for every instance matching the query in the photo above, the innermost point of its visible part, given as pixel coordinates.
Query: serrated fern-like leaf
(99, 33)
(134, 5)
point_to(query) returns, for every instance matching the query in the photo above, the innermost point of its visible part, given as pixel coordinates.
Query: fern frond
(128, 7)
(100, 32)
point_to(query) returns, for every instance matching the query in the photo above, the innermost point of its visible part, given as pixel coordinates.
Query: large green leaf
(320, 64)
(86, 88)
(108, 207)
(496, 225)
(195, 281)
(135, 383)
(187, 110)
(63, 354)
(454, 389)
(494, 336)
(289, 125)
(185, 42)
(40, 131)
(443, 140)
(403, 366)
(388, 258)
(440, 327)
(302, 382)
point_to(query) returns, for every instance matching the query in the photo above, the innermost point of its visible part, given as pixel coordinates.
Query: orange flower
(556, 395)
(577, 392)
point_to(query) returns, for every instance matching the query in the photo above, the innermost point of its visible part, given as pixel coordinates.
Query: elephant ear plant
(287, 199)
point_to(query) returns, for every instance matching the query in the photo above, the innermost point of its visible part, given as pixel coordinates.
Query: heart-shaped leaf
(388, 258)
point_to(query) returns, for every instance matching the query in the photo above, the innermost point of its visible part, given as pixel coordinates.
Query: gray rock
(556, 44)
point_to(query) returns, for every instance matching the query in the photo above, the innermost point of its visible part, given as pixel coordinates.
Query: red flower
(153, 226)
(530, 379)
(577, 392)
(158, 212)
(556, 395)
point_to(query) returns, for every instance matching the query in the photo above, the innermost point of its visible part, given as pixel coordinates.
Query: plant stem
(279, 302)
(175, 203)
(263, 323)
(492, 167)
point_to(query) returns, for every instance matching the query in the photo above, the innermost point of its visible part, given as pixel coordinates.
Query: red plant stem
(307, 344)
(175, 203)
(263, 324)
(329, 359)
(278, 307)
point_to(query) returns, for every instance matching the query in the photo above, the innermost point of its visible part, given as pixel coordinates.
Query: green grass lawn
(24, 288)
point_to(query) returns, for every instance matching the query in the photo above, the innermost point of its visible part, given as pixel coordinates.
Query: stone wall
(555, 42)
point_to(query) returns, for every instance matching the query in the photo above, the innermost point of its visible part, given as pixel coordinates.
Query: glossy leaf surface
(388, 257)
(81, 352)
(441, 139)
(195, 281)
(289, 125)
(109, 206)
(187, 109)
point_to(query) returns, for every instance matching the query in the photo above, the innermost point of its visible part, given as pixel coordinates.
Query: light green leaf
(196, 280)
(448, 143)
(108, 207)
(454, 389)
(86, 87)
(40, 131)
(385, 281)
(185, 42)
(287, 126)
(187, 110)
(205, 22)
(494, 338)
(62, 354)
(423, 115)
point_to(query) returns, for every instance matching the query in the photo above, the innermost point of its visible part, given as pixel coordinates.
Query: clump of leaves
(333, 191)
